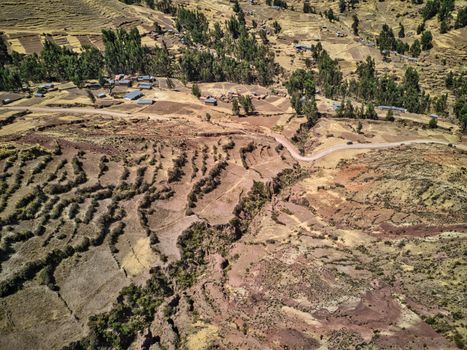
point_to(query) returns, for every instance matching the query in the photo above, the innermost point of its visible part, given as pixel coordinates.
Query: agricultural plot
(224, 215)
(85, 214)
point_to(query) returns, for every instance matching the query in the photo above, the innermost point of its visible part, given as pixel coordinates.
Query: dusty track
(81, 111)
(311, 158)
(279, 138)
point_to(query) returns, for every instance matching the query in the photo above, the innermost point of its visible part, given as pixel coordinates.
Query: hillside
(232, 175)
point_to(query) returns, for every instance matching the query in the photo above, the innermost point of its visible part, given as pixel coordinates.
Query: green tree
(461, 20)
(388, 92)
(359, 127)
(449, 81)
(433, 123)
(91, 62)
(235, 107)
(9, 79)
(346, 110)
(415, 49)
(426, 40)
(401, 33)
(445, 9)
(123, 51)
(157, 28)
(307, 8)
(330, 15)
(390, 116)
(301, 83)
(277, 27)
(460, 110)
(31, 68)
(367, 80)
(195, 90)
(402, 47)
(355, 24)
(342, 6)
(440, 104)
(194, 23)
(165, 6)
(264, 37)
(430, 10)
(443, 27)
(329, 75)
(386, 40)
(413, 98)
(236, 7)
(247, 104)
(420, 28)
(370, 112)
(310, 110)
(5, 57)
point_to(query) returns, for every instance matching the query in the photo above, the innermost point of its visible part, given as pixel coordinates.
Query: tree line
(367, 86)
(230, 53)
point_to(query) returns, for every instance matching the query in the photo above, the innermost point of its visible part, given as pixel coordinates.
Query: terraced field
(74, 15)
(109, 205)
(185, 225)
(249, 247)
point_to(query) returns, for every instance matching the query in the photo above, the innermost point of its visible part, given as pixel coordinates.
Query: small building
(101, 95)
(46, 86)
(392, 108)
(336, 106)
(145, 86)
(145, 101)
(91, 86)
(10, 98)
(302, 47)
(134, 95)
(145, 78)
(210, 101)
(123, 82)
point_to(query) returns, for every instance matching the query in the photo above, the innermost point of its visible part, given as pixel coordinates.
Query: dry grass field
(341, 255)
(179, 225)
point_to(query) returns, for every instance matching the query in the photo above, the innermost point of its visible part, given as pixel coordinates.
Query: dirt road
(66, 110)
(279, 138)
(311, 158)
(83, 111)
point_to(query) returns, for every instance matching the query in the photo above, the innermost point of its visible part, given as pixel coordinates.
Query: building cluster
(137, 95)
(392, 108)
(143, 81)
(231, 95)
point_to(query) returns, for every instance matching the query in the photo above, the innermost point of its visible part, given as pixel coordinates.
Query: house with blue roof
(134, 95)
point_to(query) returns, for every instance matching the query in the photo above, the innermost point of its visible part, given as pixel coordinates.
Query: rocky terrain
(184, 224)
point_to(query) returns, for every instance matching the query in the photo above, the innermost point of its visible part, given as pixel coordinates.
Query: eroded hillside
(233, 174)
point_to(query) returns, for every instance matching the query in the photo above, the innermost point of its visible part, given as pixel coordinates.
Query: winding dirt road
(67, 110)
(311, 158)
(279, 138)
(80, 110)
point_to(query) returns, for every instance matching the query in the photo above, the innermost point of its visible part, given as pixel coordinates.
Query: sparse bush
(244, 151)
(176, 173)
